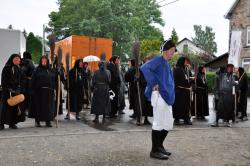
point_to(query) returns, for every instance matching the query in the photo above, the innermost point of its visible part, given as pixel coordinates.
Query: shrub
(210, 81)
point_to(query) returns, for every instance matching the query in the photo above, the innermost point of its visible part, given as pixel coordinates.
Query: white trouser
(163, 117)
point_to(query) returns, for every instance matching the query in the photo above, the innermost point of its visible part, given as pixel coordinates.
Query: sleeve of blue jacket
(148, 71)
(158, 71)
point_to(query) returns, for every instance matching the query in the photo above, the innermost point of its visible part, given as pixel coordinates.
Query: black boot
(96, 120)
(146, 121)
(1, 126)
(48, 124)
(77, 116)
(13, 126)
(177, 122)
(187, 122)
(67, 117)
(155, 153)
(38, 124)
(164, 134)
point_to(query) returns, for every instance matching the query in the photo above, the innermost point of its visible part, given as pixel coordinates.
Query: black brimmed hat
(166, 45)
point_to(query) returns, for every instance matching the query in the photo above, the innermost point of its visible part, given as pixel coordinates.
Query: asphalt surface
(120, 142)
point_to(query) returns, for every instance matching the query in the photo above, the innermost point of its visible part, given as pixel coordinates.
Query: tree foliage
(205, 39)
(174, 36)
(34, 46)
(150, 47)
(174, 60)
(123, 21)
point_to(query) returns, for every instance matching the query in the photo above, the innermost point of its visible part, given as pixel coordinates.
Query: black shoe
(163, 150)
(158, 155)
(138, 123)
(77, 116)
(67, 117)
(48, 124)
(1, 127)
(96, 120)
(146, 122)
(188, 122)
(177, 122)
(38, 124)
(13, 127)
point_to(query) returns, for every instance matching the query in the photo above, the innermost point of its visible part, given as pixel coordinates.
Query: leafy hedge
(210, 81)
(210, 78)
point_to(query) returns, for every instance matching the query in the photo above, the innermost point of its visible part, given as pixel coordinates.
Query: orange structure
(79, 47)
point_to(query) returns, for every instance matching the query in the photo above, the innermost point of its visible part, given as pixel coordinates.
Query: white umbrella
(91, 58)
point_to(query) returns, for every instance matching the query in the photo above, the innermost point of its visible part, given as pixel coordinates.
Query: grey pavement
(120, 142)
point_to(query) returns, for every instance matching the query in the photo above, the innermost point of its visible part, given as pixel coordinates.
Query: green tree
(34, 46)
(174, 36)
(123, 21)
(174, 60)
(205, 39)
(149, 47)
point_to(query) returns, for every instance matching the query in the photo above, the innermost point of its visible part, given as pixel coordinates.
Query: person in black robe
(201, 93)
(115, 84)
(61, 73)
(147, 109)
(100, 101)
(86, 83)
(121, 105)
(226, 103)
(12, 85)
(182, 105)
(216, 91)
(27, 67)
(130, 78)
(242, 94)
(42, 94)
(76, 89)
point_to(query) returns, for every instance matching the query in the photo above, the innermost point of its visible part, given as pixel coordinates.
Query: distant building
(11, 41)
(186, 45)
(239, 17)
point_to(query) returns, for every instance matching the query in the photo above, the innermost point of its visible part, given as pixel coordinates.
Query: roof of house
(194, 44)
(229, 13)
(189, 41)
(220, 61)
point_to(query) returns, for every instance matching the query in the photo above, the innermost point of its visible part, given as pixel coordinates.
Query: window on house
(248, 35)
(185, 48)
(246, 64)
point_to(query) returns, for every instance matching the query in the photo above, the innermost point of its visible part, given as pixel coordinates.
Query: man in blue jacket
(160, 91)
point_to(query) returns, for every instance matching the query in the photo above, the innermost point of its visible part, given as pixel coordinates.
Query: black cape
(42, 95)
(100, 101)
(12, 84)
(182, 105)
(115, 87)
(201, 98)
(76, 89)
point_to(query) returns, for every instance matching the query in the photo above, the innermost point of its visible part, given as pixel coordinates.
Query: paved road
(121, 142)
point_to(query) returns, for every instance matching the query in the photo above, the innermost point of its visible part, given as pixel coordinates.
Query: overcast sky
(182, 15)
